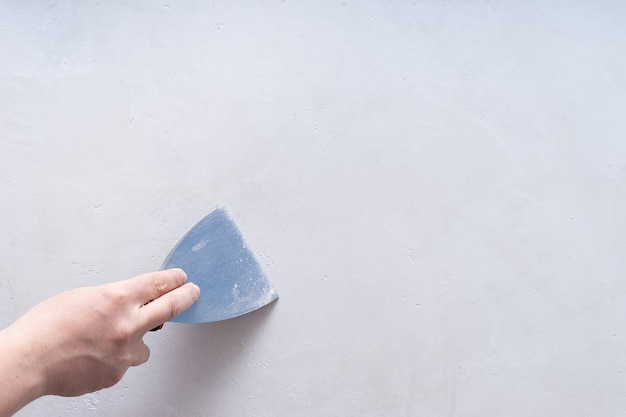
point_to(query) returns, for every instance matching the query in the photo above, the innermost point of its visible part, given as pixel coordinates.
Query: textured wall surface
(436, 189)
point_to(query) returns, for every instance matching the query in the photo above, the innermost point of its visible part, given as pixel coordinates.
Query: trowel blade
(216, 258)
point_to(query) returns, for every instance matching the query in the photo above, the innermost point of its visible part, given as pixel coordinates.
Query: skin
(85, 339)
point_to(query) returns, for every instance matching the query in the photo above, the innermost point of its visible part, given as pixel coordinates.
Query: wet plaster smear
(437, 190)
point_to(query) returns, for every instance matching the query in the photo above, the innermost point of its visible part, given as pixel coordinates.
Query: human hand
(85, 339)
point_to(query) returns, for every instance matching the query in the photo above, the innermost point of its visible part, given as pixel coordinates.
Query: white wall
(436, 189)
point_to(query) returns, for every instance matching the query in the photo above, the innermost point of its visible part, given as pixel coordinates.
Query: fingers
(142, 354)
(148, 287)
(168, 306)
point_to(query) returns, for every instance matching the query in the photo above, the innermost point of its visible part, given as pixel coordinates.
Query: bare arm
(85, 339)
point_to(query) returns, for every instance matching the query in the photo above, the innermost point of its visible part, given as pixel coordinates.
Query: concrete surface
(436, 189)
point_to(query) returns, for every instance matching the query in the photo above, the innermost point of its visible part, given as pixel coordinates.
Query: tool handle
(159, 327)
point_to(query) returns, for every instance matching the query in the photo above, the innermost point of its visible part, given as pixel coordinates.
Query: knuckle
(122, 333)
(159, 284)
(145, 355)
(174, 307)
(142, 355)
(115, 295)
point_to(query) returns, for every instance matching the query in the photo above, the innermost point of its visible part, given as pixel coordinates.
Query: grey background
(436, 189)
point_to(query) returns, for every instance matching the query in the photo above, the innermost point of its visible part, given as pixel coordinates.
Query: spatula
(217, 259)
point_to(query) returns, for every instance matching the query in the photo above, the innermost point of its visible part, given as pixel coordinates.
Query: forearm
(20, 382)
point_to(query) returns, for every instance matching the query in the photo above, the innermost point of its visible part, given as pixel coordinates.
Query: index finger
(168, 306)
(150, 286)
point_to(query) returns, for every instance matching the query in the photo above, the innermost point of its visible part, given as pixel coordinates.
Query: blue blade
(216, 258)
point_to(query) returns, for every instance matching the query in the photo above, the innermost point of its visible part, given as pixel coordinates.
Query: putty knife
(216, 258)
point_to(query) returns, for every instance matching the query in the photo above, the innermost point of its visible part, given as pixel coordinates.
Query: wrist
(21, 378)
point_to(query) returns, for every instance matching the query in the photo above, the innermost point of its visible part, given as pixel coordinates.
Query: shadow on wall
(208, 358)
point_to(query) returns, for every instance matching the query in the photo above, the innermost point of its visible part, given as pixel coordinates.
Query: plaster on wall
(436, 189)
